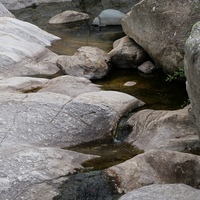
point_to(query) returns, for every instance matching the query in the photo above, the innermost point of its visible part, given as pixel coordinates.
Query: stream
(153, 89)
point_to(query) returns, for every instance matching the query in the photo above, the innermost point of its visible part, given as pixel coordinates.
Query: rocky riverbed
(40, 116)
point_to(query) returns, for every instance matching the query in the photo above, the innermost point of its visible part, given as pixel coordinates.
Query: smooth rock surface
(68, 16)
(163, 192)
(162, 29)
(52, 119)
(23, 51)
(127, 54)
(156, 167)
(88, 62)
(192, 71)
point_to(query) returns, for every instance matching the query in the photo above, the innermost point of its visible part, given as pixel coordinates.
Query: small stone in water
(130, 83)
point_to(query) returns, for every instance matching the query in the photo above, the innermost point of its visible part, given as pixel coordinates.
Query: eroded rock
(157, 167)
(88, 62)
(127, 54)
(157, 129)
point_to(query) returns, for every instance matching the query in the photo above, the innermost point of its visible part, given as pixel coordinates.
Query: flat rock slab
(68, 16)
(163, 192)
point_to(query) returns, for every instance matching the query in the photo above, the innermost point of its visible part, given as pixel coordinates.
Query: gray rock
(68, 16)
(162, 130)
(28, 172)
(163, 192)
(156, 167)
(192, 70)
(162, 29)
(16, 5)
(4, 12)
(88, 62)
(23, 51)
(147, 67)
(127, 54)
(51, 119)
(108, 17)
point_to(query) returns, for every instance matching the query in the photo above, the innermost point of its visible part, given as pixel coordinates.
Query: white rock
(108, 17)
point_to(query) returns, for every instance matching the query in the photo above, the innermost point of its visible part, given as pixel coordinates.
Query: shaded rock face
(68, 16)
(163, 130)
(162, 29)
(157, 167)
(88, 62)
(192, 71)
(163, 192)
(127, 54)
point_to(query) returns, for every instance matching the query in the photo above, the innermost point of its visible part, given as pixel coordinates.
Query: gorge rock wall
(162, 29)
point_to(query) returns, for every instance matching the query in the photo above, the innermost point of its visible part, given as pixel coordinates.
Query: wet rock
(157, 129)
(163, 192)
(4, 12)
(108, 17)
(28, 172)
(23, 51)
(162, 29)
(192, 70)
(127, 54)
(130, 83)
(88, 62)
(147, 67)
(68, 16)
(157, 167)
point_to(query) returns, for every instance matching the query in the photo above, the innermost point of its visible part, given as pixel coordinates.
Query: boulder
(29, 172)
(157, 129)
(161, 29)
(68, 16)
(108, 17)
(147, 67)
(52, 119)
(23, 51)
(88, 62)
(156, 167)
(4, 12)
(127, 54)
(192, 70)
(163, 192)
